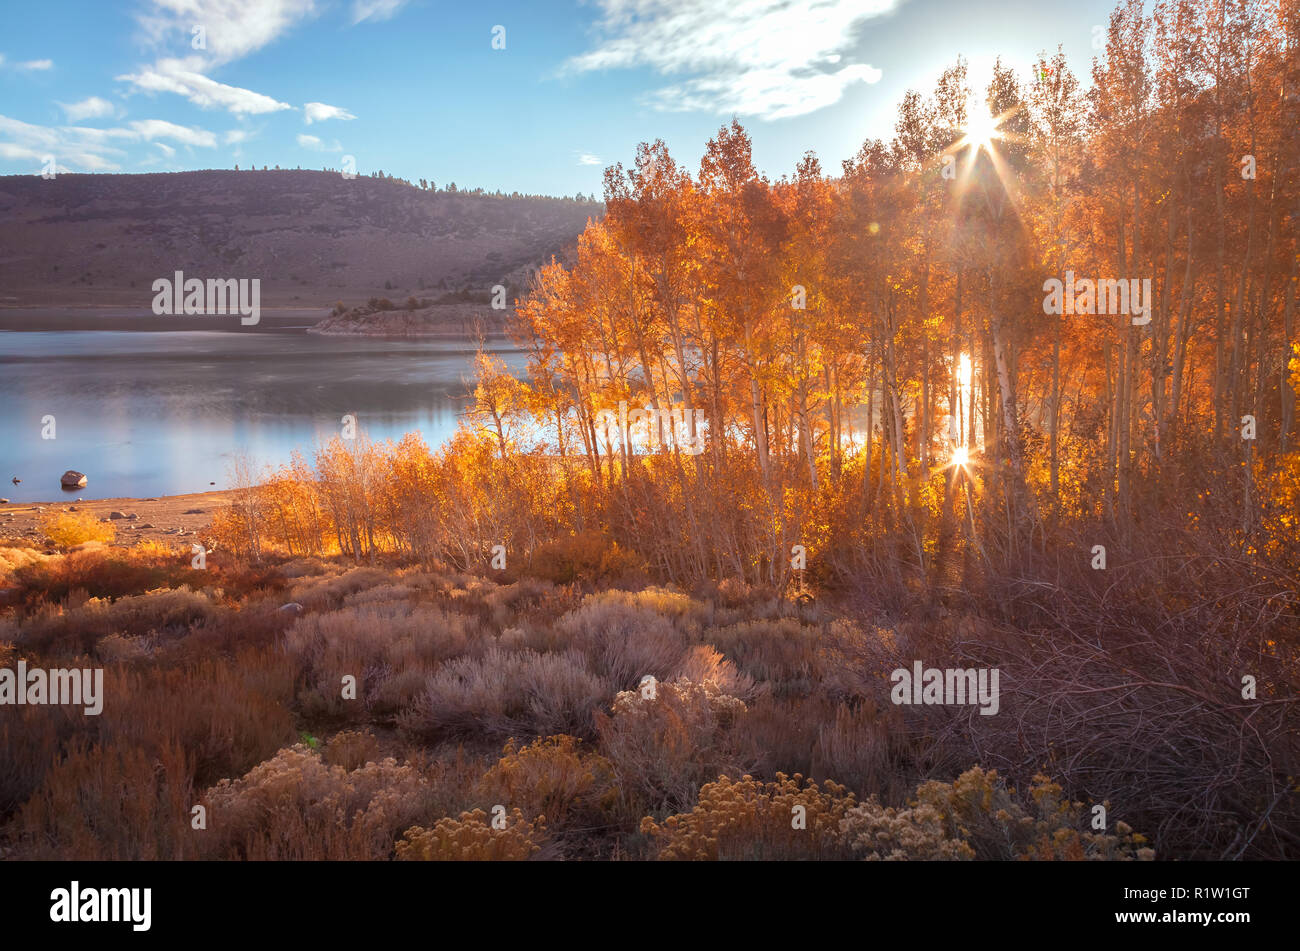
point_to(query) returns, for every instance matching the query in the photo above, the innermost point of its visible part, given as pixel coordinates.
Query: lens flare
(982, 129)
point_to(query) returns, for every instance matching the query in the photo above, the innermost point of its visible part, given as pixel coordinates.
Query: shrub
(854, 663)
(553, 777)
(67, 529)
(471, 838)
(103, 573)
(80, 622)
(780, 734)
(782, 651)
(749, 819)
(351, 749)
(14, 557)
(30, 740)
(879, 833)
(506, 602)
(863, 748)
(390, 647)
(505, 693)
(665, 746)
(116, 648)
(979, 808)
(227, 713)
(295, 806)
(622, 639)
(320, 592)
(112, 802)
(586, 556)
(703, 665)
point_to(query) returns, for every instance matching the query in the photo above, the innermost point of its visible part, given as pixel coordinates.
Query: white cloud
(92, 108)
(73, 147)
(231, 28)
(35, 64)
(235, 136)
(170, 75)
(586, 158)
(316, 145)
(375, 10)
(150, 129)
(87, 149)
(772, 59)
(319, 112)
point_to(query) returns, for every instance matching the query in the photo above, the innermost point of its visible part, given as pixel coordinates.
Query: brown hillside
(311, 237)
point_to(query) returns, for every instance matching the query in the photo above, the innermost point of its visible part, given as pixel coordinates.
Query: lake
(148, 413)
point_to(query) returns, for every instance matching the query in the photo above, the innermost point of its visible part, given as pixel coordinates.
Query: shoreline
(164, 518)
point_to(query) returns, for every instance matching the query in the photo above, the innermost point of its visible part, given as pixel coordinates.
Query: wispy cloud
(93, 149)
(316, 145)
(230, 30)
(35, 64)
(91, 108)
(319, 112)
(173, 76)
(150, 129)
(375, 10)
(773, 59)
(586, 158)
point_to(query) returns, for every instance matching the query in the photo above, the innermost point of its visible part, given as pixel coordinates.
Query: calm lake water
(163, 413)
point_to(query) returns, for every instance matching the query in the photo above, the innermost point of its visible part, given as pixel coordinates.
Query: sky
(534, 96)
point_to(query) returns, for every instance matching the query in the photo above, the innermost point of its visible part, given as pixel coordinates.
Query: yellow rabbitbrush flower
(553, 777)
(750, 819)
(472, 838)
(69, 529)
(979, 808)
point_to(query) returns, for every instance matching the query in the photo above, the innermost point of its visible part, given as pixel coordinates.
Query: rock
(72, 479)
(132, 517)
(116, 515)
(148, 500)
(4, 501)
(194, 512)
(73, 508)
(293, 607)
(145, 525)
(38, 508)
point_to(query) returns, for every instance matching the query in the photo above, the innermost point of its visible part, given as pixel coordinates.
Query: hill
(414, 318)
(311, 237)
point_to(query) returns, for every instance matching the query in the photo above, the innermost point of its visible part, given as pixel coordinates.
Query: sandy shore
(169, 517)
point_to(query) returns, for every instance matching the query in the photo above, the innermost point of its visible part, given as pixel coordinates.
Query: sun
(960, 456)
(981, 130)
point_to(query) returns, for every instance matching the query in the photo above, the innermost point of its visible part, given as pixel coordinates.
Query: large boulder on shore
(72, 479)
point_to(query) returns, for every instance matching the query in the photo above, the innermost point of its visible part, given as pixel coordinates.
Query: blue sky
(415, 87)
